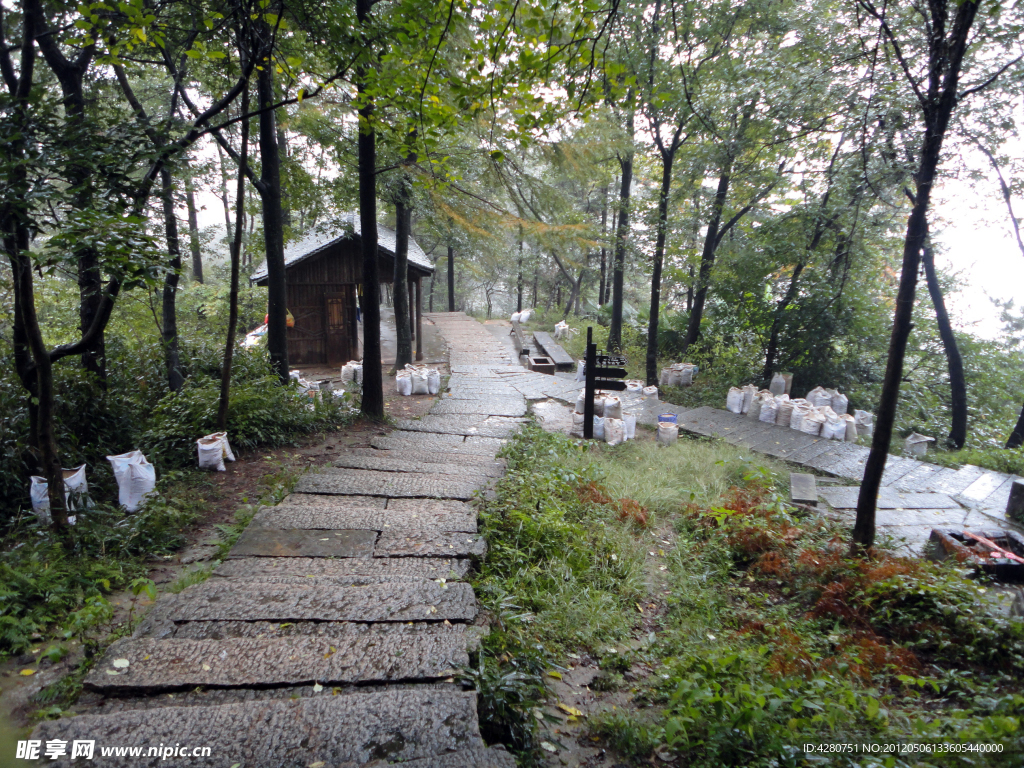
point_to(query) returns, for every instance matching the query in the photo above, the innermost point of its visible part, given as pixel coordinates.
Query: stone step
(437, 466)
(479, 425)
(429, 544)
(260, 541)
(888, 498)
(488, 757)
(413, 455)
(307, 542)
(492, 406)
(445, 445)
(224, 630)
(340, 570)
(368, 600)
(431, 652)
(338, 515)
(363, 502)
(355, 729)
(344, 482)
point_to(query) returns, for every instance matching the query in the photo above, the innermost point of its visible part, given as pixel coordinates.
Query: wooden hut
(324, 275)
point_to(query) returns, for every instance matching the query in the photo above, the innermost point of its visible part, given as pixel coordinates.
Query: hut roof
(320, 238)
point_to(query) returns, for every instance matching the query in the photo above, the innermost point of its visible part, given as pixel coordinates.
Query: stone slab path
(331, 634)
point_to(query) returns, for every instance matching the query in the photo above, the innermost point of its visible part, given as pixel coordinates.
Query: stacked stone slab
(333, 633)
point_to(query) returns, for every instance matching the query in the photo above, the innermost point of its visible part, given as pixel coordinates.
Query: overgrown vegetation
(768, 636)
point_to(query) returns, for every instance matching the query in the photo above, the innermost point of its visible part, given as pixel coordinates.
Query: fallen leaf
(111, 672)
(555, 674)
(547, 746)
(317, 687)
(570, 710)
(120, 663)
(27, 672)
(206, 667)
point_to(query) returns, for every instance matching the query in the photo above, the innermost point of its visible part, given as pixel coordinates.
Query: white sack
(769, 409)
(419, 382)
(515, 317)
(229, 455)
(38, 491)
(76, 487)
(865, 423)
(851, 427)
(778, 385)
(403, 381)
(581, 401)
(136, 478)
(599, 427)
(634, 385)
(734, 400)
(524, 316)
(799, 413)
(665, 374)
(840, 402)
(598, 405)
(651, 392)
(834, 427)
(667, 432)
(614, 431)
(629, 422)
(577, 425)
(433, 381)
(783, 410)
(612, 407)
(211, 454)
(812, 422)
(819, 397)
(748, 397)
(685, 375)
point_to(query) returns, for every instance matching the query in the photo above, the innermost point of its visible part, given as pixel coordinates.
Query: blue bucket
(669, 417)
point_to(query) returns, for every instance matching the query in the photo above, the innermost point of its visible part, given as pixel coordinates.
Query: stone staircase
(332, 633)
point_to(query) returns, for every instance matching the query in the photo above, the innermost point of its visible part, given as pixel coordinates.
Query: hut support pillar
(419, 318)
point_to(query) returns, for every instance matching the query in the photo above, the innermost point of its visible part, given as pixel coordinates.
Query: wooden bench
(517, 337)
(563, 360)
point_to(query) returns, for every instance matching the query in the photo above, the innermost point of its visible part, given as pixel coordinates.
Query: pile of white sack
(822, 413)
(352, 372)
(214, 450)
(610, 423)
(678, 375)
(636, 386)
(521, 317)
(418, 380)
(76, 494)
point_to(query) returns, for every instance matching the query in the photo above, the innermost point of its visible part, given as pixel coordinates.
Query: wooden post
(412, 316)
(588, 397)
(419, 319)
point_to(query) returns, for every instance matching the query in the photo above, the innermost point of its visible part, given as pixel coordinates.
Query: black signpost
(593, 383)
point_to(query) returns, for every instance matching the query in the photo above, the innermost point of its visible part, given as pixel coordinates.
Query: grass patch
(996, 459)
(768, 637)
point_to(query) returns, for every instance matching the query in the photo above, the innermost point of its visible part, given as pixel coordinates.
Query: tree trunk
(1016, 439)
(621, 236)
(373, 380)
(236, 261)
(175, 380)
(451, 279)
(604, 250)
(193, 230)
(273, 230)
(773, 336)
(519, 273)
(955, 363)
(224, 195)
(937, 109)
(403, 314)
(707, 257)
(659, 256)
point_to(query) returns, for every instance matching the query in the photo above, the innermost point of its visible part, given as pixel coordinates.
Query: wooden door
(340, 320)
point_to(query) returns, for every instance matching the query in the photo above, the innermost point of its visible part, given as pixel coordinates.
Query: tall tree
(945, 40)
